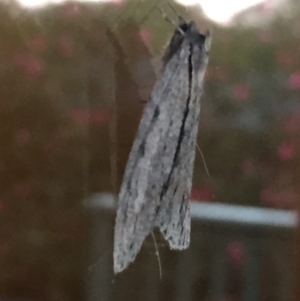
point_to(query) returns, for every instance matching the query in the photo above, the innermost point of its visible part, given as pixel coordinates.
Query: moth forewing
(158, 177)
(149, 165)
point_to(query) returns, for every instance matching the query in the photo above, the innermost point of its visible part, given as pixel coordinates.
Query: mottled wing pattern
(175, 219)
(148, 167)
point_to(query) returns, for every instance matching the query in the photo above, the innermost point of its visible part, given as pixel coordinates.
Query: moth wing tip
(180, 243)
(118, 269)
(180, 246)
(120, 265)
(123, 255)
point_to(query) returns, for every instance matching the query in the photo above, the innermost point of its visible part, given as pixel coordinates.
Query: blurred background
(74, 79)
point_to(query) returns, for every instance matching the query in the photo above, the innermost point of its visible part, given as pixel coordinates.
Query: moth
(158, 177)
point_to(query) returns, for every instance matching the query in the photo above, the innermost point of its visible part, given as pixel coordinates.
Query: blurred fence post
(252, 271)
(296, 274)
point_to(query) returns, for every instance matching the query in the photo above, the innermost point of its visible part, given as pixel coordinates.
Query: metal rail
(263, 233)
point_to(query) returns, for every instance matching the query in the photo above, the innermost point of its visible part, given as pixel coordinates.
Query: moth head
(188, 36)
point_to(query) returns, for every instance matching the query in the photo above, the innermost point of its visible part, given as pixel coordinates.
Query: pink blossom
(248, 166)
(20, 59)
(221, 74)
(241, 92)
(50, 149)
(80, 116)
(236, 253)
(278, 199)
(22, 136)
(37, 43)
(23, 189)
(294, 80)
(64, 133)
(94, 117)
(71, 10)
(202, 194)
(268, 7)
(66, 45)
(218, 73)
(267, 196)
(286, 151)
(265, 36)
(228, 297)
(293, 124)
(99, 117)
(209, 74)
(284, 58)
(146, 35)
(34, 67)
(6, 246)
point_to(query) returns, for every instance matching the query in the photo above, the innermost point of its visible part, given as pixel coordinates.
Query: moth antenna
(166, 18)
(203, 160)
(120, 20)
(157, 255)
(180, 18)
(180, 30)
(148, 13)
